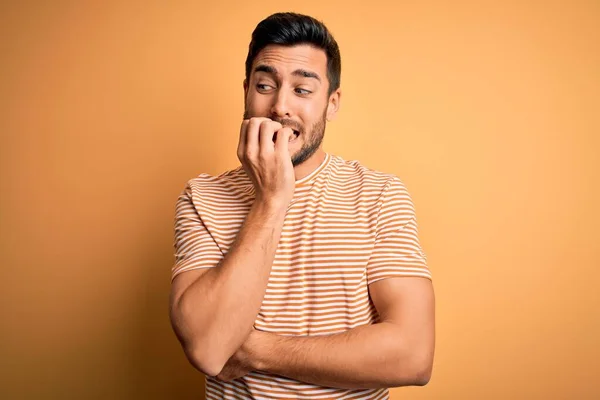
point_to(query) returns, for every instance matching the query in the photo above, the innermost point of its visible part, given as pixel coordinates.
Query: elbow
(420, 359)
(410, 377)
(422, 370)
(199, 347)
(207, 362)
(423, 376)
(416, 370)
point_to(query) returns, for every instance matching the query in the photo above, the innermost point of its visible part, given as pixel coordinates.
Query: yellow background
(488, 111)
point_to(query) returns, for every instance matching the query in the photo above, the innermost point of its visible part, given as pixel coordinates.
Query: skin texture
(290, 85)
(283, 92)
(398, 351)
(211, 334)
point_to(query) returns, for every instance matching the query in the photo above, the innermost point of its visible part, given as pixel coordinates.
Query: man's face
(289, 85)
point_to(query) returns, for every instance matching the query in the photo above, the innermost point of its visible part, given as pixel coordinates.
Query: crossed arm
(398, 351)
(214, 323)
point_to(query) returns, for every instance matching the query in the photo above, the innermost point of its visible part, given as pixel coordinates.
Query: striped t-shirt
(346, 227)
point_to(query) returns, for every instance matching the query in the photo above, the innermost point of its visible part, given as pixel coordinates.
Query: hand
(267, 161)
(241, 362)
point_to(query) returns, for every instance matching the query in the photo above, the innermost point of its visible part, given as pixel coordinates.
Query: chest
(318, 277)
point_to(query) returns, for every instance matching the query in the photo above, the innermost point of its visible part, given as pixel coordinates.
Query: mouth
(292, 138)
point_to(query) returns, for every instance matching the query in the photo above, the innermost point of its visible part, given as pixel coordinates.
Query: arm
(398, 351)
(208, 314)
(394, 352)
(213, 307)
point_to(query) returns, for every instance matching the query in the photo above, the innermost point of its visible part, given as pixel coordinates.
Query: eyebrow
(299, 72)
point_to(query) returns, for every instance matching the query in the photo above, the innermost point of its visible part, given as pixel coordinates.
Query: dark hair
(289, 29)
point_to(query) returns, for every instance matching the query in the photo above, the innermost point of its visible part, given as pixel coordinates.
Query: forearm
(216, 312)
(371, 356)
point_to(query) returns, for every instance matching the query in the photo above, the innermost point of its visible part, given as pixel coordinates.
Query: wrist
(270, 207)
(263, 345)
(277, 202)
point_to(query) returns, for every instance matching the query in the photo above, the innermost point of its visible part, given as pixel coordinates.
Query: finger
(252, 146)
(283, 138)
(242, 141)
(267, 131)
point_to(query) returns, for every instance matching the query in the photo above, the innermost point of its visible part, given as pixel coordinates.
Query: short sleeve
(397, 251)
(194, 245)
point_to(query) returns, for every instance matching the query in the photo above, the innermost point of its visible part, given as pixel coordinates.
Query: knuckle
(262, 157)
(265, 125)
(248, 154)
(261, 154)
(254, 122)
(257, 120)
(251, 126)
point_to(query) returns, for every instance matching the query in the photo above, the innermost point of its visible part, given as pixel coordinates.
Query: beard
(312, 139)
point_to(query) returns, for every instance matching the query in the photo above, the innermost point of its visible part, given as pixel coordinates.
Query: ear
(245, 88)
(334, 104)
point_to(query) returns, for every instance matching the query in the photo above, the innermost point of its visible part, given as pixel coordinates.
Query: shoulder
(354, 171)
(227, 184)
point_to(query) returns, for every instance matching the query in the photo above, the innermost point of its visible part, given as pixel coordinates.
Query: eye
(263, 87)
(302, 91)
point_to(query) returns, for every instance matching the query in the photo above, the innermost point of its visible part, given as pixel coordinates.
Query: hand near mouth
(295, 135)
(266, 160)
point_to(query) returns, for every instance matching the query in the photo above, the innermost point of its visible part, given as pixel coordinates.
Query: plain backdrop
(488, 111)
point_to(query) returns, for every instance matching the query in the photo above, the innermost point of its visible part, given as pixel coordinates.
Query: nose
(281, 106)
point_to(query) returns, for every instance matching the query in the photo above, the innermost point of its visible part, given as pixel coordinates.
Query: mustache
(285, 122)
(289, 123)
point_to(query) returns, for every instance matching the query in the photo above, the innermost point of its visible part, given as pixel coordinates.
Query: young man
(299, 274)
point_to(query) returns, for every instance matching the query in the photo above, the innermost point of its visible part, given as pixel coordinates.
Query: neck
(309, 165)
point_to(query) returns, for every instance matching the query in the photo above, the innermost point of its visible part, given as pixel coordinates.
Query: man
(299, 274)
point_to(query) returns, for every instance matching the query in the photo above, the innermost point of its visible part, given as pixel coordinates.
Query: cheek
(257, 104)
(249, 101)
(311, 113)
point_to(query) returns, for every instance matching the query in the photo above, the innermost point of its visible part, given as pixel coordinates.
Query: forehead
(289, 58)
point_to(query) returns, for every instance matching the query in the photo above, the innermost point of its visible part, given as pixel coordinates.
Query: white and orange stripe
(346, 227)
